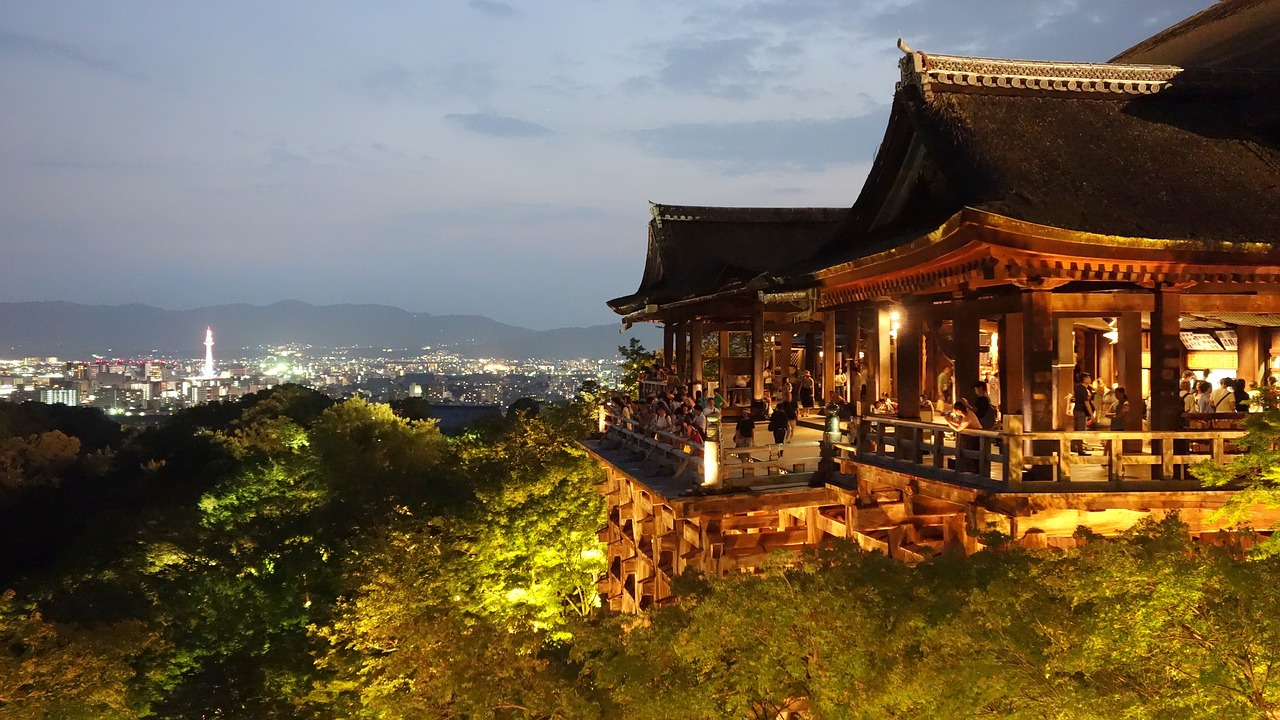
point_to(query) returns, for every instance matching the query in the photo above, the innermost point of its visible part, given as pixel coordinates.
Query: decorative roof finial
(904, 47)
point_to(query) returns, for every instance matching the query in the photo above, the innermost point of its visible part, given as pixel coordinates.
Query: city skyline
(481, 157)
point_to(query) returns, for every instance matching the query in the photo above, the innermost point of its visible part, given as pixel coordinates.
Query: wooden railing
(680, 456)
(747, 465)
(738, 466)
(1005, 456)
(652, 387)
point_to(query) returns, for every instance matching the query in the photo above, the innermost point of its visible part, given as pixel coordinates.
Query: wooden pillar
(1166, 362)
(909, 350)
(884, 355)
(1270, 348)
(1165, 412)
(757, 352)
(828, 356)
(1107, 369)
(695, 354)
(1011, 364)
(811, 358)
(853, 343)
(668, 343)
(1064, 364)
(784, 350)
(682, 350)
(1250, 359)
(933, 359)
(875, 340)
(723, 383)
(1128, 354)
(1037, 376)
(965, 326)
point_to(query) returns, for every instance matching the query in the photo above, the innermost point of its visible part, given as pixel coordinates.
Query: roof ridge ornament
(956, 73)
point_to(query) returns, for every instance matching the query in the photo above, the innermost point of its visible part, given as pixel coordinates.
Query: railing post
(1166, 459)
(711, 451)
(1115, 460)
(1013, 448)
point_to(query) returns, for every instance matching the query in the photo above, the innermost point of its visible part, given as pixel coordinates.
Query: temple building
(1024, 224)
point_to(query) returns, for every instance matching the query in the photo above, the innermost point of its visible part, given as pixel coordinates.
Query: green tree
(1256, 472)
(465, 615)
(63, 670)
(635, 360)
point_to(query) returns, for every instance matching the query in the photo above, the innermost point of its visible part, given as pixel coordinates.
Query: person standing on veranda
(946, 386)
(1082, 398)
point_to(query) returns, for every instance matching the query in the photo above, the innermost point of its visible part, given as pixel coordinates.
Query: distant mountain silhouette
(77, 331)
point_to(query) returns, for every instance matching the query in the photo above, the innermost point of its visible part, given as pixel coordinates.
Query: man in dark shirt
(981, 405)
(744, 435)
(1083, 399)
(746, 429)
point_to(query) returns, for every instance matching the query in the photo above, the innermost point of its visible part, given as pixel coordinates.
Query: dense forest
(287, 556)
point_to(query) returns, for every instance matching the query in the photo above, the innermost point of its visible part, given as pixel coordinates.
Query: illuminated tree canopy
(286, 556)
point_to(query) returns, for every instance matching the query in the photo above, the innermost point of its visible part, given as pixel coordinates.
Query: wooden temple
(1023, 222)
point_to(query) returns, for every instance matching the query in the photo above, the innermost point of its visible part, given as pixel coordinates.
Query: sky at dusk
(449, 157)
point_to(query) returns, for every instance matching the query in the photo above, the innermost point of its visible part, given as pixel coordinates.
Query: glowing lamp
(833, 423)
(711, 450)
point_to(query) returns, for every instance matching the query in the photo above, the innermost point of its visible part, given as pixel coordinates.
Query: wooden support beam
(981, 306)
(933, 359)
(784, 366)
(853, 344)
(966, 330)
(668, 343)
(723, 351)
(1166, 361)
(744, 325)
(883, 357)
(811, 355)
(695, 354)
(1064, 363)
(682, 350)
(828, 356)
(1166, 370)
(1128, 354)
(909, 350)
(1250, 358)
(1038, 404)
(1011, 365)
(1101, 304)
(757, 353)
(1205, 303)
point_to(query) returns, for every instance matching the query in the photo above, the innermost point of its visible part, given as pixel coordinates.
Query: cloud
(280, 154)
(19, 45)
(737, 148)
(498, 125)
(720, 68)
(488, 7)
(473, 81)
(388, 82)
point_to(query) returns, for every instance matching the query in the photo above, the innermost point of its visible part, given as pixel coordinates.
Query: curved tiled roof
(697, 250)
(1132, 151)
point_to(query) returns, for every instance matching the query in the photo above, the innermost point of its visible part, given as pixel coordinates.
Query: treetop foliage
(285, 556)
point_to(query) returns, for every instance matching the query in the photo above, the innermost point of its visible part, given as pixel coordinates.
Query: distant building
(66, 396)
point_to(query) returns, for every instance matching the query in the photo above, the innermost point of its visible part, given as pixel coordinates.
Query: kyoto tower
(208, 353)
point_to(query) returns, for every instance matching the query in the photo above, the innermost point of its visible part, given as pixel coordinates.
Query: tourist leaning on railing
(962, 418)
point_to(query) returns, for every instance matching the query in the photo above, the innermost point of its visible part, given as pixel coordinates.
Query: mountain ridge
(67, 329)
